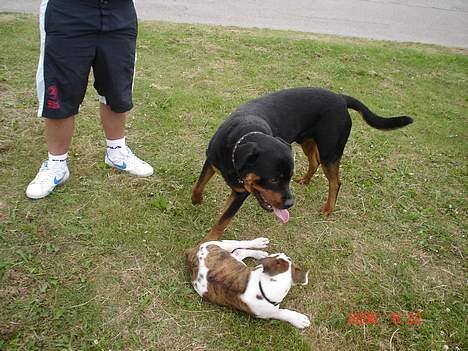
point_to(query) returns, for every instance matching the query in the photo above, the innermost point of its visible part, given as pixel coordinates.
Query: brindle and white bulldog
(220, 276)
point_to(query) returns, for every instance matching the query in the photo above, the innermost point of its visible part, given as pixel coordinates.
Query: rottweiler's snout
(288, 202)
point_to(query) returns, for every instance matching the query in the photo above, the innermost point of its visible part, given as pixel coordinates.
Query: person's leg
(113, 70)
(67, 51)
(113, 123)
(118, 154)
(54, 171)
(59, 134)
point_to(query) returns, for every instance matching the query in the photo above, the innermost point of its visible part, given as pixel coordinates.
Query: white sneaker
(46, 180)
(125, 160)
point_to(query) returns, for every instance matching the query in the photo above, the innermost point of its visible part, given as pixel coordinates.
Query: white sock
(115, 147)
(57, 161)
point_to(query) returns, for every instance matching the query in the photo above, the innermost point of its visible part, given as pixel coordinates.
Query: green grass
(98, 265)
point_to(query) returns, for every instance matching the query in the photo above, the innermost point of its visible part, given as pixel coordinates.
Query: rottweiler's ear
(284, 141)
(245, 153)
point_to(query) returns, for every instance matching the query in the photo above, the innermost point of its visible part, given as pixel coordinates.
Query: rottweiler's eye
(274, 181)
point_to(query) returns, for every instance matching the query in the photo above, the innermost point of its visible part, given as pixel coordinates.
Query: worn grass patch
(98, 265)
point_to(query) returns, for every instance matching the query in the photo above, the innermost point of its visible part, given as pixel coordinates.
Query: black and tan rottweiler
(251, 149)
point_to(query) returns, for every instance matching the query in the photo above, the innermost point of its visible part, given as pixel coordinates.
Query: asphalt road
(442, 22)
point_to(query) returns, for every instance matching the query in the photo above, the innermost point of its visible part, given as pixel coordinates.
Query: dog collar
(233, 155)
(263, 294)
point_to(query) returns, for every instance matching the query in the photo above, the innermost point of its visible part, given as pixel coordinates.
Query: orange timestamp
(396, 318)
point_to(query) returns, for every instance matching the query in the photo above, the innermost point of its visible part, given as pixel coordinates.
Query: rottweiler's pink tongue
(283, 215)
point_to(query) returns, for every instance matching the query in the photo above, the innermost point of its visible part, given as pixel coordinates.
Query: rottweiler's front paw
(302, 180)
(327, 210)
(197, 198)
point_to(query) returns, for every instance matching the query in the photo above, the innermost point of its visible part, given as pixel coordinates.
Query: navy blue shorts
(77, 35)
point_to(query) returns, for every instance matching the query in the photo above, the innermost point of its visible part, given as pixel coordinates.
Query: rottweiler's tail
(376, 121)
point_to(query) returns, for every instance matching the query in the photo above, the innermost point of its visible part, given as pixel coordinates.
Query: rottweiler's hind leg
(197, 191)
(332, 173)
(311, 151)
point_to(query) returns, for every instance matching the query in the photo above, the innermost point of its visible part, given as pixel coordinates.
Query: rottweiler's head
(265, 164)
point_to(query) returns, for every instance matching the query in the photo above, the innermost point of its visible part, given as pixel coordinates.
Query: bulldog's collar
(233, 155)
(263, 294)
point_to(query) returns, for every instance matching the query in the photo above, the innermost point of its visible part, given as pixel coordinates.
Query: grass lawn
(99, 264)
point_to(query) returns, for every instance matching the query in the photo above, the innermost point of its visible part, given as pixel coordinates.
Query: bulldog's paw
(260, 243)
(299, 320)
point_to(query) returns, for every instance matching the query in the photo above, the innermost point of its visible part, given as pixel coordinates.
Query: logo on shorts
(52, 102)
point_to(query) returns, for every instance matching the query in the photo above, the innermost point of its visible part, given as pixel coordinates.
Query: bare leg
(113, 123)
(59, 134)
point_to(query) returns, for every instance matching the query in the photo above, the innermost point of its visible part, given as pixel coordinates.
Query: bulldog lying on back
(220, 276)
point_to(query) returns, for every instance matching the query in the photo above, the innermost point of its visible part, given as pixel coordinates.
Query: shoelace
(131, 156)
(126, 155)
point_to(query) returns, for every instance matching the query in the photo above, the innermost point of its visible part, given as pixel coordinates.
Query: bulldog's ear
(298, 276)
(245, 153)
(273, 266)
(284, 141)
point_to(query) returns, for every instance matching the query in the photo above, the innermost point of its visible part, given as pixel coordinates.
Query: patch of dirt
(14, 285)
